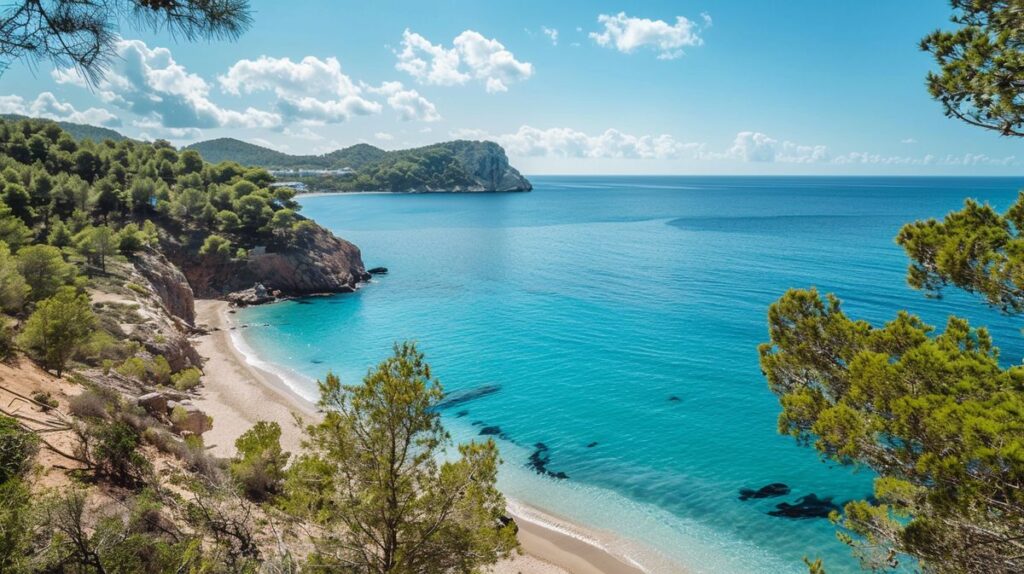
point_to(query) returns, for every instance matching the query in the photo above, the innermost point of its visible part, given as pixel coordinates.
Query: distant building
(343, 172)
(296, 185)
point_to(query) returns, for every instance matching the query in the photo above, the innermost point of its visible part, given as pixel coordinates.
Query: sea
(608, 327)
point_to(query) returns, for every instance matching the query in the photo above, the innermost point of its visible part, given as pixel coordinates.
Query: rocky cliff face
(169, 285)
(488, 165)
(316, 262)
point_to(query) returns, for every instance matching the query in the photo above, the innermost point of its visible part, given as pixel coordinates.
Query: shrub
(6, 338)
(258, 468)
(134, 368)
(160, 370)
(57, 329)
(89, 405)
(187, 379)
(116, 454)
(44, 398)
(137, 288)
(17, 449)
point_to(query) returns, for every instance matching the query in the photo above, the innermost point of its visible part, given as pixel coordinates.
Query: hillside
(78, 131)
(460, 165)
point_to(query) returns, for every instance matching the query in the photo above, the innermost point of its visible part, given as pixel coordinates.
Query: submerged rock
(809, 506)
(539, 462)
(461, 414)
(592, 445)
(377, 271)
(674, 399)
(490, 430)
(458, 397)
(767, 491)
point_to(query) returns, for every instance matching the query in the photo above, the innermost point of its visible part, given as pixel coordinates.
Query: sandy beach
(237, 394)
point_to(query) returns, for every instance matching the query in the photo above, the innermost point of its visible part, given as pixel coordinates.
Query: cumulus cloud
(626, 34)
(551, 33)
(567, 142)
(46, 105)
(472, 56)
(409, 104)
(310, 90)
(384, 136)
(758, 147)
(149, 82)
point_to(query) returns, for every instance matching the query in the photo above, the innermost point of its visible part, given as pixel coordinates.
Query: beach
(238, 394)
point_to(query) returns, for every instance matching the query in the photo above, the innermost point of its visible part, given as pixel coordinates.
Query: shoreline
(238, 393)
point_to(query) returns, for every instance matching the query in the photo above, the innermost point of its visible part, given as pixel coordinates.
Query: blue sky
(712, 86)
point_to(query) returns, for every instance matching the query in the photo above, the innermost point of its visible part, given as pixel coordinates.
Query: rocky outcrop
(168, 284)
(487, 163)
(315, 261)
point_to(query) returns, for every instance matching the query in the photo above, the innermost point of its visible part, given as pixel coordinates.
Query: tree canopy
(981, 65)
(82, 34)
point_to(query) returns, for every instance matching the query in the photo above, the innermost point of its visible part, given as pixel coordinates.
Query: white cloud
(758, 147)
(150, 83)
(567, 142)
(409, 104)
(384, 136)
(311, 90)
(303, 134)
(551, 33)
(46, 105)
(472, 56)
(626, 34)
(153, 129)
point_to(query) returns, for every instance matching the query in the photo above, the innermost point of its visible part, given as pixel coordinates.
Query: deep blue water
(593, 301)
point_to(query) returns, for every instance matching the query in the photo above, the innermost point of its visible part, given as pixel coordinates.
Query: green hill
(78, 131)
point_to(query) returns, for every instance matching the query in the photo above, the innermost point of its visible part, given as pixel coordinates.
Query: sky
(567, 87)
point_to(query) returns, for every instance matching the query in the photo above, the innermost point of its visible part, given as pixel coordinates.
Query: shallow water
(627, 311)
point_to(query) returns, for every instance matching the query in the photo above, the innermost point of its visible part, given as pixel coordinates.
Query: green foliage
(13, 288)
(44, 269)
(6, 338)
(187, 379)
(935, 415)
(58, 327)
(395, 507)
(976, 249)
(116, 453)
(18, 447)
(98, 244)
(258, 466)
(217, 246)
(981, 65)
(15, 526)
(133, 367)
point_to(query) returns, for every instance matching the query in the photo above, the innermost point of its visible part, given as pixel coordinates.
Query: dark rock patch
(674, 399)
(539, 462)
(377, 271)
(809, 506)
(592, 445)
(767, 491)
(461, 414)
(493, 430)
(316, 361)
(458, 397)
(478, 423)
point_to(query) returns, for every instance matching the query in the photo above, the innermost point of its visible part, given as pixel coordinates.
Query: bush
(89, 405)
(44, 398)
(133, 368)
(258, 468)
(137, 288)
(17, 449)
(187, 379)
(57, 329)
(116, 454)
(160, 370)
(6, 338)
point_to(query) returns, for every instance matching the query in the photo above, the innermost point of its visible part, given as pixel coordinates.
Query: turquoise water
(593, 301)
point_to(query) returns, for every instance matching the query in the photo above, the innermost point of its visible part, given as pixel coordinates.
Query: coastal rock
(315, 262)
(767, 491)
(256, 295)
(377, 271)
(488, 165)
(809, 506)
(490, 431)
(190, 419)
(154, 403)
(169, 284)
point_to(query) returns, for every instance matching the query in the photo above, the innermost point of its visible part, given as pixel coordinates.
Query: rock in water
(491, 431)
(458, 397)
(767, 491)
(539, 462)
(377, 271)
(809, 506)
